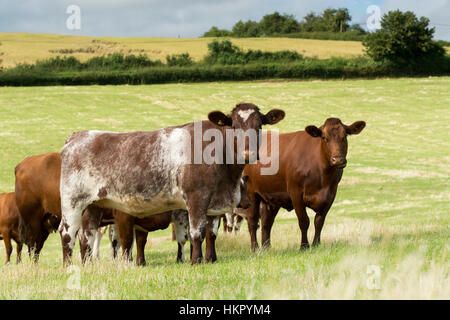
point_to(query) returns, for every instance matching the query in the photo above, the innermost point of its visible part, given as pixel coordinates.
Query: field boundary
(303, 70)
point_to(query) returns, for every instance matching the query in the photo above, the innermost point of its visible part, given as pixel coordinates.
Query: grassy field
(23, 47)
(386, 236)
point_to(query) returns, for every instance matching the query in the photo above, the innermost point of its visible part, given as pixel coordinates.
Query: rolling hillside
(25, 47)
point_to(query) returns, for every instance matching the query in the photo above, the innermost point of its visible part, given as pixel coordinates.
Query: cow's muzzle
(339, 162)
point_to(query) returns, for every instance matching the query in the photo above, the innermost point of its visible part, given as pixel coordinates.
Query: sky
(187, 18)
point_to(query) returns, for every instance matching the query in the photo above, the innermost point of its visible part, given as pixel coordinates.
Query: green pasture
(386, 236)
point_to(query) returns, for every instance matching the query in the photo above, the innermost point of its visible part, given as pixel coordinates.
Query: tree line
(330, 20)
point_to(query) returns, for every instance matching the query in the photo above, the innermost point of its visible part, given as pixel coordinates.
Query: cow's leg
(96, 247)
(229, 221)
(319, 220)
(237, 225)
(268, 214)
(36, 250)
(90, 223)
(16, 237)
(8, 246)
(125, 230)
(225, 221)
(114, 239)
(173, 232)
(181, 227)
(212, 229)
(141, 240)
(32, 232)
(302, 216)
(19, 252)
(197, 205)
(68, 229)
(252, 221)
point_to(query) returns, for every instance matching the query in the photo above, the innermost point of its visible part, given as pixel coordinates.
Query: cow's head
(245, 117)
(334, 139)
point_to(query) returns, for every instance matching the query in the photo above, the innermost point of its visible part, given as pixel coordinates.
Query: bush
(58, 64)
(117, 61)
(181, 60)
(216, 32)
(334, 68)
(226, 53)
(403, 39)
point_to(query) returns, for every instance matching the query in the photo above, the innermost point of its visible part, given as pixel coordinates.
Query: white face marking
(181, 223)
(244, 114)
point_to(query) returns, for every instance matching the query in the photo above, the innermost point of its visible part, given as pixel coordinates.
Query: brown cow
(9, 224)
(311, 164)
(39, 202)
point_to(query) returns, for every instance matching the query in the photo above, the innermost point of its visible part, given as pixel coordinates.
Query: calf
(146, 173)
(239, 211)
(311, 164)
(9, 224)
(127, 225)
(229, 222)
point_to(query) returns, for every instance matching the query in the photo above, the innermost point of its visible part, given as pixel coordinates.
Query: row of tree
(330, 20)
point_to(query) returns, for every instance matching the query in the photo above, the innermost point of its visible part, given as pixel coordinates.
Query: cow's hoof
(211, 260)
(140, 263)
(304, 246)
(196, 261)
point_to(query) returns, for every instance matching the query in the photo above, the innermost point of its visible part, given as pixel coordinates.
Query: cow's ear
(273, 116)
(245, 178)
(313, 131)
(220, 118)
(355, 127)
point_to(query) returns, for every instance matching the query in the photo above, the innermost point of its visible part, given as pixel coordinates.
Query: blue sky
(188, 18)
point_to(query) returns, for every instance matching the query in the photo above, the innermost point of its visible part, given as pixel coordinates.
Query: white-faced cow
(146, 173)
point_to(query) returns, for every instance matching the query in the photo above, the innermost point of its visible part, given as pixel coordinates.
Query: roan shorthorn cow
(311, 164)
(9, 224)
(146, 173)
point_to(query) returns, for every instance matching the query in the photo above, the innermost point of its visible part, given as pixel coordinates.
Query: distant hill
(25, 47)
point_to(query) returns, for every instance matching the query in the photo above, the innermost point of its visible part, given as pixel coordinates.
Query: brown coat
(311, 164)
(9, 224)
